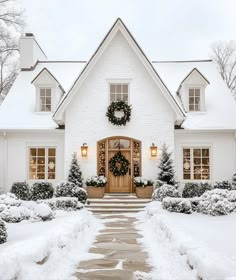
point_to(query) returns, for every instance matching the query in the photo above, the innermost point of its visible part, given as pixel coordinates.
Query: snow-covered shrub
(63, 203)
(225, 185)
(179, 205)
(43, 212)
(69, 189)
(15, 214)
(96, 181)
(234, 182)
(21, 190)
(159, 183)
(9, 199)
(216, 202)
(3, 232)
(232, 196)
(195, 203)
(195, 189)
(75, 174)
(142, 182)
(165, 191)
(42, 190)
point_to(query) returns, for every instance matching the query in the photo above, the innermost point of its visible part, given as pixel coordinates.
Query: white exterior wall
(14, 166)
(152, 119)
(222, 152)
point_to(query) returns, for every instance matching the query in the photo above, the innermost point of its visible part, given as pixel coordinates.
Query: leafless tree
(11, 26)
(224, 54)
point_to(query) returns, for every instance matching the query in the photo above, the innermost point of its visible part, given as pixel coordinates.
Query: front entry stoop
(116, 253)
(117, 203)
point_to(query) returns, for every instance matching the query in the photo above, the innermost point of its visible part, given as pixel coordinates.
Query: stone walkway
(116, 253)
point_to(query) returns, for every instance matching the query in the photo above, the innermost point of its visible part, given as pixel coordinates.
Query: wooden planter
(144, 192)
(95, 192)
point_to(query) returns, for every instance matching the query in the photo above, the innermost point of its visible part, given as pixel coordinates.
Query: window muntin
(45, 99)
(196, 164)
(194, 99)
(119, 92)
(42, 163)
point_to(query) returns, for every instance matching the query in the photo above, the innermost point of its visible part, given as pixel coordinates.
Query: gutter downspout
(5, 161)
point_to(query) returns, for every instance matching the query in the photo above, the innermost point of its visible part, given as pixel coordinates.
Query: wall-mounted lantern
(84, 150)
(153, 150)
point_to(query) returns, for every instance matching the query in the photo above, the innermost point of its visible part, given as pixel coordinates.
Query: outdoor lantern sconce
(84, 150)
(153, 150)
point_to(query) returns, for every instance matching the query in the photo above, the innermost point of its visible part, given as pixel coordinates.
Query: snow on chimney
(30, 51)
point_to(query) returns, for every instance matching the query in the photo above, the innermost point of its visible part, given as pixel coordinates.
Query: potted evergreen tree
(96, 186)
(143, 187)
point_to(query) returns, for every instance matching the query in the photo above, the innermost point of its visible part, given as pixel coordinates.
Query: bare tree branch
(224, 55)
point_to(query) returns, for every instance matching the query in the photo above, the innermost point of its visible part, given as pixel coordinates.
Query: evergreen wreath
(118, 106)
(118, 165)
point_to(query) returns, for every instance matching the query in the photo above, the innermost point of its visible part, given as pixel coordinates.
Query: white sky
(165, 29)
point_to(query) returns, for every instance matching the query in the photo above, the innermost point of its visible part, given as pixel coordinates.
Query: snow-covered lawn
(47, 250)
(185, 247)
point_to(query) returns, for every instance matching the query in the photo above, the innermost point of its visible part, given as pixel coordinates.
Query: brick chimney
(30, 51)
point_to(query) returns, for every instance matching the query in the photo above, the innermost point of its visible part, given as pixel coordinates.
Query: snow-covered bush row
(195, 189)
(15, 214)
(225, 184)
(69, 189)
(64, 203)
(216, 202)
(21, 190)
(3, 232)
(179, 205)
(164, 191)
(42, 190)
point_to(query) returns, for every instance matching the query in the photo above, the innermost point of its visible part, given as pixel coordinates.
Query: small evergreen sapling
(166, 167)
(75, 174)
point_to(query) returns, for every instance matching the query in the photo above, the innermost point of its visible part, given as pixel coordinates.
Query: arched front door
(131, 150)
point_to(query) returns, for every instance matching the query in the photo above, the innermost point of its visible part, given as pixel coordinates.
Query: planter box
(95, 192)
(144, 192)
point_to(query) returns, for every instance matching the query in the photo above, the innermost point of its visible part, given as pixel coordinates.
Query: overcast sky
(165, 29)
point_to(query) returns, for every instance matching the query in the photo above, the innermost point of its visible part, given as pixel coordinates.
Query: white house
(54, 107)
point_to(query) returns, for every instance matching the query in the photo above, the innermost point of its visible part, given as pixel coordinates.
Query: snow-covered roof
(220, 106)
(18, 109)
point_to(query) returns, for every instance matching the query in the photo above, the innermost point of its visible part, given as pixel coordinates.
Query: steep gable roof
(119, 26)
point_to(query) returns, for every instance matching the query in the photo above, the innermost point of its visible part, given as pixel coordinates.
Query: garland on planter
(118, 165)
(118, 106)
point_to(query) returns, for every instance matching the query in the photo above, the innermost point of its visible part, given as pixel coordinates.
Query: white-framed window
(194, 99)
(196, 163)
(119, 92)
(45, 99)
(42, 163)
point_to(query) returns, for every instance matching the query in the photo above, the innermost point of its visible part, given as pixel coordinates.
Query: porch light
(84, 150)
(153, 150)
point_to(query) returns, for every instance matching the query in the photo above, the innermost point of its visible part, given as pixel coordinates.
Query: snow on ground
(175, 242)
(47, 250)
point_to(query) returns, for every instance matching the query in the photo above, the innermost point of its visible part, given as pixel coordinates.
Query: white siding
(152, 118)
(16, 165)
(222, 156)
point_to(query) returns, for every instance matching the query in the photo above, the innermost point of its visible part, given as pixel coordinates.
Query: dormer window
(45, 100)
(194, 100)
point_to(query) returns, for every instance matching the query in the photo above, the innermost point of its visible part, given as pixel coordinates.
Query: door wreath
(122, 107)
(118, 164)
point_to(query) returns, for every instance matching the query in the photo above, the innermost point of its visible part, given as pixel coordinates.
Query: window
(119, 92)
(194, 99)
(196, 164)
(42, 163)
(45, 100)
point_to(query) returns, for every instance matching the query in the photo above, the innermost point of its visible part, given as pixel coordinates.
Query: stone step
(117, 201)
(113, 205)
(112, 211)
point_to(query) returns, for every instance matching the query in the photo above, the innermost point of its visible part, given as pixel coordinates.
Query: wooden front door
(131, 150)
(119, 183)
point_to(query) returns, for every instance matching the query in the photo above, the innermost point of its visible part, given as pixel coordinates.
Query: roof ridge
(182, 61)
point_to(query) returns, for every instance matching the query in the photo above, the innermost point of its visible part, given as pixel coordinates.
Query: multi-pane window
(194, 99)
(196, 164)
(45, 100)
(42, 163)
(119, 92)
